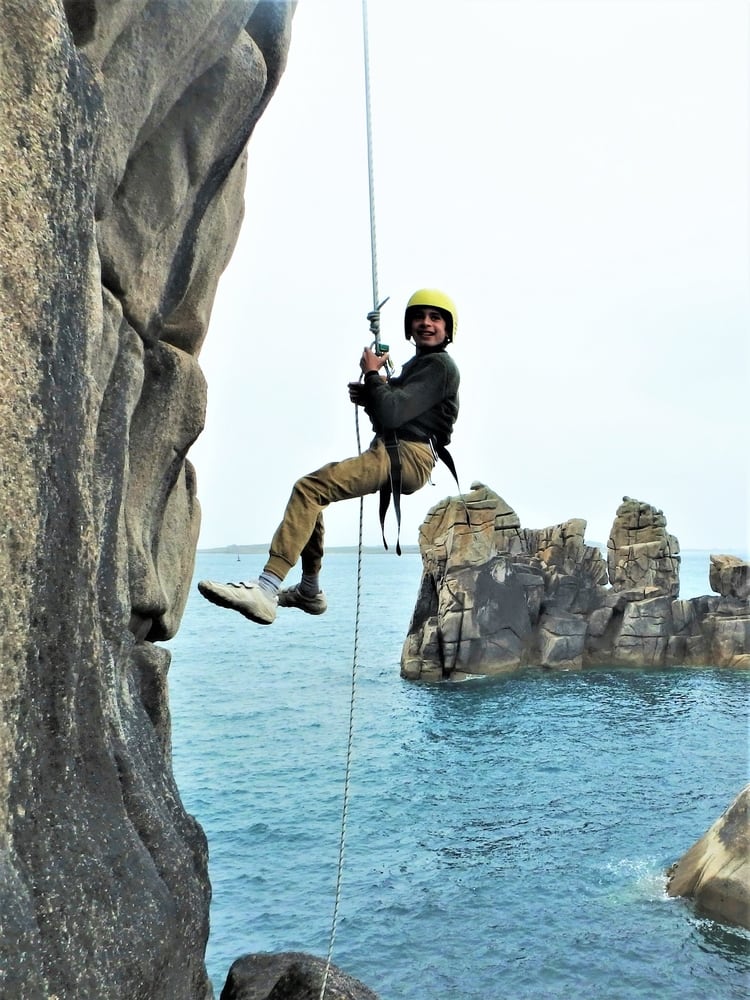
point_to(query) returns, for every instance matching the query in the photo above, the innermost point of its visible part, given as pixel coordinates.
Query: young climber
(412, 416)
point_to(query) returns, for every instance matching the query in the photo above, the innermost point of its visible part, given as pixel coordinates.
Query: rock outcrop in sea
(715, 872)
(123, 129)
(495, 597)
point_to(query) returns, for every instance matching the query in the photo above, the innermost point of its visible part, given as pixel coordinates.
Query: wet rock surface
(715, 872)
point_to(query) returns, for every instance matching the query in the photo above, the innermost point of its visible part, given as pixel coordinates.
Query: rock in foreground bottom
(715, 872)
(289, 976)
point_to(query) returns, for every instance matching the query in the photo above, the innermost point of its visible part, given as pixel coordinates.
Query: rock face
(715, 872)
(495, 596)
(289, 976)
(122, 164)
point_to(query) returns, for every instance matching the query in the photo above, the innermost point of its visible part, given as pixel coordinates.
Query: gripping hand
(357, 393)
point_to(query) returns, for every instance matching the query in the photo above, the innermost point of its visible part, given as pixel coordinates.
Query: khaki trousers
(301, 530)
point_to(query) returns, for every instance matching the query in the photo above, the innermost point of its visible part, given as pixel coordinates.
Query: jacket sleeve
(392, 404)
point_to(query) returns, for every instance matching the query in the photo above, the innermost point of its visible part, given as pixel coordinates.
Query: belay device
(377, 345)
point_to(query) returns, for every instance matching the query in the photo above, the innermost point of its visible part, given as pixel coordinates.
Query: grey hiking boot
(250, 599)
(292, 597)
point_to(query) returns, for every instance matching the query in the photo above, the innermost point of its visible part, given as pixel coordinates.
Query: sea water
(505, 839)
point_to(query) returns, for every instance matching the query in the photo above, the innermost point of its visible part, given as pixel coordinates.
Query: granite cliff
(495, 596)
(123, 130)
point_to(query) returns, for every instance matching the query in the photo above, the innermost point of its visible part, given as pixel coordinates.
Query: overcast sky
(574, 174)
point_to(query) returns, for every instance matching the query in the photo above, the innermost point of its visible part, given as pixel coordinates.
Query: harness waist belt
(390, 436)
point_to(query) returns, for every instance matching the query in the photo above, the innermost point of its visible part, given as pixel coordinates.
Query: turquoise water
(505, 838)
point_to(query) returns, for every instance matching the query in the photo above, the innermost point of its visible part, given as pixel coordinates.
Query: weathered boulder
(562, 639)
(644, 632)
(485, 585)
(290, 976)
(730, 577)
(715, 872)
(727, 626)
(495, 596)
(640, 552)
(122, 135)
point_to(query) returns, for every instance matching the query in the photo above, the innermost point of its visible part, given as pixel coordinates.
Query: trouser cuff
(278, 566)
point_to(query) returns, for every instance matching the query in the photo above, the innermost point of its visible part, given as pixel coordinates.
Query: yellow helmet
(432, 297)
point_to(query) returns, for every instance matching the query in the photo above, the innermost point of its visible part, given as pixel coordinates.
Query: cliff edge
(123, 129)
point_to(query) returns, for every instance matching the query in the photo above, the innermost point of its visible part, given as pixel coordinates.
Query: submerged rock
(715, 872)
(495, 596)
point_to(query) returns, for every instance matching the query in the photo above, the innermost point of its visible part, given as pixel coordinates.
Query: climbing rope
(348, 767)
(355, 654)
(370, 171)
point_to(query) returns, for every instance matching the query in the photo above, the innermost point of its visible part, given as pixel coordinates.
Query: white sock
(269, 582)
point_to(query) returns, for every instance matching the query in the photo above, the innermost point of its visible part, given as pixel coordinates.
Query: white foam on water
(639, 878)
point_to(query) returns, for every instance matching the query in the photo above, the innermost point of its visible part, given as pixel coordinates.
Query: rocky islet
(496, 597)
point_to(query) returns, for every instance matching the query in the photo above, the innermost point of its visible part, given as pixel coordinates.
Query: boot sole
(224, 602)
(308, 611)
(301, 607)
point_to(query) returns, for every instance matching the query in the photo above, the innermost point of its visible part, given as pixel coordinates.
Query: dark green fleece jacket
(419, 404)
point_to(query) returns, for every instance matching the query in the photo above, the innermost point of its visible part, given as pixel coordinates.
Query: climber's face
(427, 326)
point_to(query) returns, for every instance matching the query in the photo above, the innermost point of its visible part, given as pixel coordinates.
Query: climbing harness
(392, 488)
